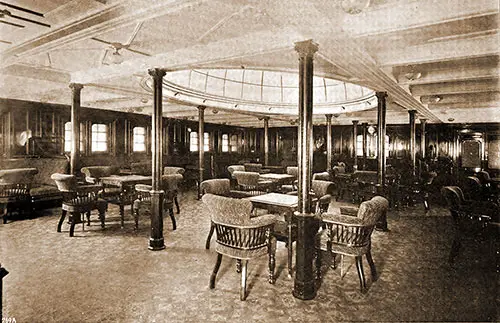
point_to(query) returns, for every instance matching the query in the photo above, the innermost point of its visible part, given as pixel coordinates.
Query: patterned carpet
(111, 276)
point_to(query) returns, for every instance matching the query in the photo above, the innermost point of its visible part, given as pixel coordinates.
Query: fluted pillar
(156, 241)
(355, 143)
(328, 142)
(266, 141)
(76, 90)
(201, 147)
(413, 141)
(381, 130)
(304, 284)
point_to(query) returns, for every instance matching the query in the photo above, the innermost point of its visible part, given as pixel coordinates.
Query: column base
(156, 244)
(304, 290)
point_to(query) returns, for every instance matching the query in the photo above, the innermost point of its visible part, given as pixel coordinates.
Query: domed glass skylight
(261, 91)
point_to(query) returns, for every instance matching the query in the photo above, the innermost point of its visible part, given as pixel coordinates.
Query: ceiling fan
(6, 13)
(117, 46)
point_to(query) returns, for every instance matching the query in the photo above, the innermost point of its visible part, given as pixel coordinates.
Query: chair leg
(102, 216)
(361, 274)
(72, 220)
(61, 220)
(172, 217)
(122, 215)
(372, 265)
(176, 201)
(136, 218)
(272, 259)
(334, 260)
(243, 290)
(4, 214)
(214, 272)
(212, 228)
(238, 266)
(88, 218)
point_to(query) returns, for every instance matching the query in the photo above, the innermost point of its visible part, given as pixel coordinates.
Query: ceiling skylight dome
(259, 90)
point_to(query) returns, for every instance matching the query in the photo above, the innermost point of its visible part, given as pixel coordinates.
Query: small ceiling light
(451, 119)
(116, 58)
(336, 115)
(144, 100)
(354, 7)
(412, 76)
(177, 93)
(215, 111)
(436, 99)
(343, 108)
(235, 105)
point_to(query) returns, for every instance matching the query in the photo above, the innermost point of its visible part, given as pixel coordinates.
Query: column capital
(156, 73)
(412, 112)
(76, 87)
(422, 120)
(355, 122)
(328, 117)
(381, 95)
(306, 47)
(201, 107)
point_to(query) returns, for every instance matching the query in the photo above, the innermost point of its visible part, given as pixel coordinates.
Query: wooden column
(328, 142)
(365, 142)
(381, 111)
(355, 143)
(76, 90)
(201, 146)
(307, 226)
(266, 141)
(423, 122)
(156, 241)
(413, 141)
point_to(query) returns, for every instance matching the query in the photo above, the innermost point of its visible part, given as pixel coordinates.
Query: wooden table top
(276, 176)
(126, 179)
(277, 199)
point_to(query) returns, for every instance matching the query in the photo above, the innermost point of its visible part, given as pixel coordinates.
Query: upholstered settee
(141, 168)
(43, 191)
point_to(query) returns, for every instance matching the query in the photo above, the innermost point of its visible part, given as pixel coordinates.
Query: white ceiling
(418, 51)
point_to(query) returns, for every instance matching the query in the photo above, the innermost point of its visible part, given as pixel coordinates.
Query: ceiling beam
(460, 98)
(455, 87)
(447, 75)
(402, 15)
(439, 51)
(190, 57)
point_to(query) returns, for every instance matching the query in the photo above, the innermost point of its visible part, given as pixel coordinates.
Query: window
(225, 143)
(68, 136)
(359, 145)
(206, 141)
(99, 137)
(234, 143)
(139, 138)
(193, 141)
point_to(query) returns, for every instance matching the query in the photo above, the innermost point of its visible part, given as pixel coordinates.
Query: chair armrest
(263, 220)
(341, 219)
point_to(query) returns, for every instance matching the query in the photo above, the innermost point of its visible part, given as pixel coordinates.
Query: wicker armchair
(250, 182)
(351, 236)
(170, 185)
(240, 236)
(15, 187)
(294, 171)
(478, 220)
(78, 200)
